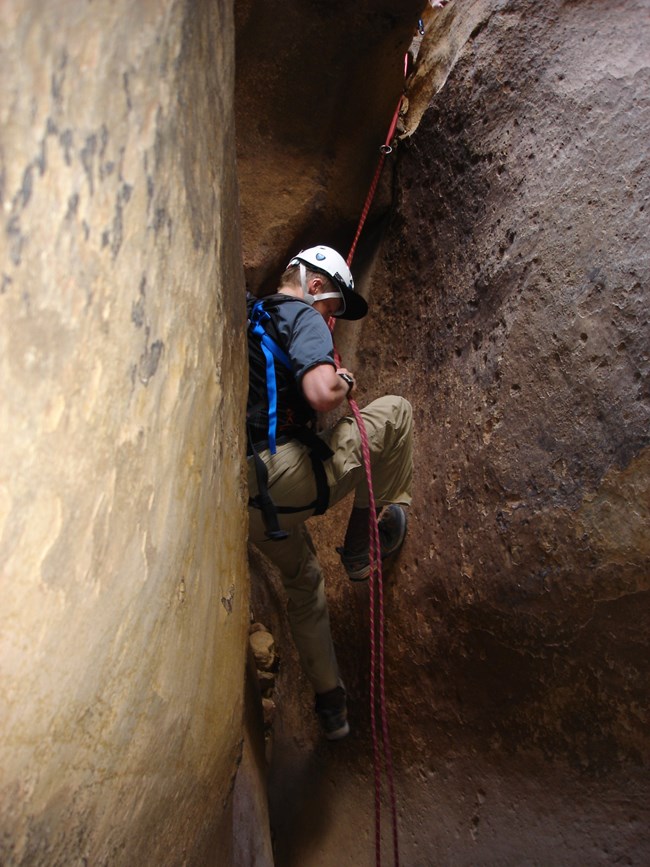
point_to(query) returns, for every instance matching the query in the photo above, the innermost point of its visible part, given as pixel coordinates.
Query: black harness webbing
(318, 452)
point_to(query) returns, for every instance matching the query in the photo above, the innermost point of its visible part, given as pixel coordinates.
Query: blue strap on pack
(271, 351)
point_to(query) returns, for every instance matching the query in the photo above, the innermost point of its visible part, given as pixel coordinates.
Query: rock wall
(316, 86)
(124, 601)
(513, 298)
(523, 339)
(509, 304)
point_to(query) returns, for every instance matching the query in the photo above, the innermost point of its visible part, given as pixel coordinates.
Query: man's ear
(316, 285)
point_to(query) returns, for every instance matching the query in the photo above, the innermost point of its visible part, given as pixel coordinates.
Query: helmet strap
(303, 282)
(322, 296)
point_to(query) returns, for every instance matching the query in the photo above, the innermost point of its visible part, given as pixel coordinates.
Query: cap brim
(355, 306)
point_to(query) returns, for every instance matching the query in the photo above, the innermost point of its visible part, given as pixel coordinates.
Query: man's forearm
(324, 389)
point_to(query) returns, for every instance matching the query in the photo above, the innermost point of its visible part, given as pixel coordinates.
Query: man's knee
(396, 410)
(404, 412)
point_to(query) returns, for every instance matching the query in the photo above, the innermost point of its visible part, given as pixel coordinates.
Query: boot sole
(363, 573)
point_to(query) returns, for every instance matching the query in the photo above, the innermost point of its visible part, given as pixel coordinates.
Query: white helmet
(333, 265)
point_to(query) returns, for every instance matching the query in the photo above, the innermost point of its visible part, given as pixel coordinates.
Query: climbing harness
(319, 451)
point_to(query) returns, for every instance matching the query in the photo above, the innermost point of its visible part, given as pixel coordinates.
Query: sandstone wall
(124, 604)
(520, 329)
(316, 87)
(509, 304)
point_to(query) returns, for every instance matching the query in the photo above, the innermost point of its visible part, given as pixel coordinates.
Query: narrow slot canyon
(158, 160)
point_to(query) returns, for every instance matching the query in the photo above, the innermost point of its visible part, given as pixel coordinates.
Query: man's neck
(293, 291)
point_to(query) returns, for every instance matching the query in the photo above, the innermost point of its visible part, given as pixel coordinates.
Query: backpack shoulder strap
(257, 316)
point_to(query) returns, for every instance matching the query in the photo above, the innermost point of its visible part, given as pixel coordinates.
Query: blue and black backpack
(263, 409)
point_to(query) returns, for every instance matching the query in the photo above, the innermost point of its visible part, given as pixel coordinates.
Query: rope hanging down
(376, 585)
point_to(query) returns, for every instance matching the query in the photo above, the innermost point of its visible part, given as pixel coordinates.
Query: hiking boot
(392, 532)
(332, 713)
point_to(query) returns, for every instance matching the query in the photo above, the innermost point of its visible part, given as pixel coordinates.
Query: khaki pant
(389, 424)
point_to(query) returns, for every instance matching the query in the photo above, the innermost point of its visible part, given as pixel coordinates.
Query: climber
(295, 472)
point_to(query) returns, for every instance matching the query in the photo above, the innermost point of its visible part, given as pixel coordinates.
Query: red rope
(377, 624)
(385, 149)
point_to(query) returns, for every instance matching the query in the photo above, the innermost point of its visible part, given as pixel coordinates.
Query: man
(295, 472)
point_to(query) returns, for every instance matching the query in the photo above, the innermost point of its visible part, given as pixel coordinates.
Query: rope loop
(376, 594)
